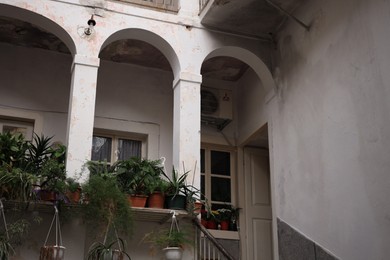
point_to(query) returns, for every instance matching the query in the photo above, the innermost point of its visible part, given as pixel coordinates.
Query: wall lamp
(91, 23)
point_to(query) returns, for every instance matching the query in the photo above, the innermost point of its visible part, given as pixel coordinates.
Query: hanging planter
(170, 241)
(5, 246)
(57, 251)
(173, 253)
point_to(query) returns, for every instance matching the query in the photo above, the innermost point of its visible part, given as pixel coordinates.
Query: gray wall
(331, 127)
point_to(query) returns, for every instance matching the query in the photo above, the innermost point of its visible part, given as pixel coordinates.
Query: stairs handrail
(212, 239)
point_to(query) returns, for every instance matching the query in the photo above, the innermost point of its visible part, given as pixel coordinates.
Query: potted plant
(176, 197)
(156, 198)
(171, 242)
(107, 210)
(73, 190)
(108, 251)
(136, 176)
(224, 216)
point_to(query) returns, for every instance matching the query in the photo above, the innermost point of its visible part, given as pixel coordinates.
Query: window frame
(208, 175)
(115, 136)
(19, 123)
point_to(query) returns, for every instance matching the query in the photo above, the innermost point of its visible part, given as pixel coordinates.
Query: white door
(258, 213)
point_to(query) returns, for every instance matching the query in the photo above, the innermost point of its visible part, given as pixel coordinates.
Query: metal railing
(207, 247)
(167, 5)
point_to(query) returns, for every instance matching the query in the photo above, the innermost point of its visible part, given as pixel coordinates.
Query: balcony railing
(165, 5)
(207, 246)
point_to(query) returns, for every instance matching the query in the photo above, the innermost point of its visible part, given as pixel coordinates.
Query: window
(111, 148)
(217, 176)
(14, 126)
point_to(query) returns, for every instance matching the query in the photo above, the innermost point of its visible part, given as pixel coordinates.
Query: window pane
(129, 148)
(220, 163)
(220, 189)
(202, 167)
(101, 148)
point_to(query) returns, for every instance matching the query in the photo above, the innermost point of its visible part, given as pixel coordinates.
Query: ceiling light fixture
(91, 23)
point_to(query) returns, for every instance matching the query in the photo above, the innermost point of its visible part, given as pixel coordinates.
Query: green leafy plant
(113, 250)
(13, 150)
(16, 184)
(72, 185)
(6, 248)
(177, 183)
(107, 204)
(163, 238)
(137, 175)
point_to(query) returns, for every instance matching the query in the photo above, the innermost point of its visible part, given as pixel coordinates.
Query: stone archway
(252, 60)
(41, 21)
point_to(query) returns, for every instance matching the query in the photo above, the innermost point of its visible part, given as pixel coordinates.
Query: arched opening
(35, 72)
(235, 85)
(134, 100)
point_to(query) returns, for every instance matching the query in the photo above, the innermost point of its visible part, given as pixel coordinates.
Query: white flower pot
(173, 253)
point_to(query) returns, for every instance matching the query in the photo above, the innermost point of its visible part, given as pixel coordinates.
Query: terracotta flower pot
(211, 224)
(47, 195)
(138, 201)
(74, 197)
(225, 225)
(156, 200)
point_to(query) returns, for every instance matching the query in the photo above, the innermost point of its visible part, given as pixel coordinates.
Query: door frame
(241, 193)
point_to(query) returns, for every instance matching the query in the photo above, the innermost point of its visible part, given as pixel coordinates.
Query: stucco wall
(331, 127)
(39, 81)
(35, 80)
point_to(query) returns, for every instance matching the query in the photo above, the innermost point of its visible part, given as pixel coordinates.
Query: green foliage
(24, 163)
(159, 185)
(72, 185)
(101, 168)
(101, 251)
(16, 184)
(12, 150)
(163, 238)
(138, 176)
(177, 183)
(107, 204)
(39, 152)
(6, 248)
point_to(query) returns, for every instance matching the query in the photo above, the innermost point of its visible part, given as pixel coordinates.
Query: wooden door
(258, 213)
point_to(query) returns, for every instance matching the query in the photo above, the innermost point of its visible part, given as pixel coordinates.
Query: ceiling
(255, 17)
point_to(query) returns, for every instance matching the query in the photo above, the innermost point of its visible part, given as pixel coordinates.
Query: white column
(81, 115)
(186, 126)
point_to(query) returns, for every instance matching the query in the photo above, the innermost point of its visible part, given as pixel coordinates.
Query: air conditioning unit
(216, 107)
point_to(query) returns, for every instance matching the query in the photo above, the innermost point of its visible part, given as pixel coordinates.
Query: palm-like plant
(6, 248)
(108, 251)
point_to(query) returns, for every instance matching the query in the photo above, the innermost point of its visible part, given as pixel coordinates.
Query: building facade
(300, 116)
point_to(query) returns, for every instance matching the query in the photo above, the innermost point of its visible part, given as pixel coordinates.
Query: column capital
(86, 61)
(188, 77)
